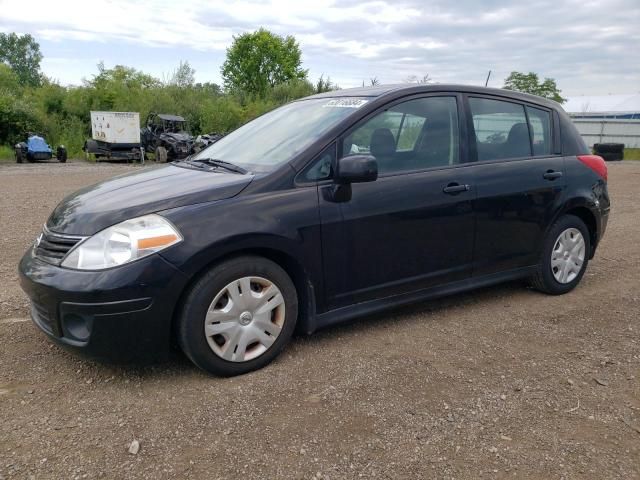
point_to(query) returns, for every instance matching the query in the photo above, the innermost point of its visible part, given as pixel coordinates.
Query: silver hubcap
(244, 319)
(568, 255)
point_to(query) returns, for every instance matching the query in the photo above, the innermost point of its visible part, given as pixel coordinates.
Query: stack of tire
(609, 151)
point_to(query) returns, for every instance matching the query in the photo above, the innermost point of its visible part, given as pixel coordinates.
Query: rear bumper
(604, 220)
(118, 315)
(602, 208)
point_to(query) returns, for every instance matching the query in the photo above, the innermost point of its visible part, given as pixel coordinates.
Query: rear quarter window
(540, 125)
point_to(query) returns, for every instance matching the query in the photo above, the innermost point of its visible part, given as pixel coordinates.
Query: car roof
(412, 88)
(173, 118)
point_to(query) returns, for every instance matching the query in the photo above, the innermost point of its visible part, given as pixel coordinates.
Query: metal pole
(487, 81)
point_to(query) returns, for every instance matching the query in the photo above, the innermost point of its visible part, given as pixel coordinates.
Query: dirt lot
(498, 383)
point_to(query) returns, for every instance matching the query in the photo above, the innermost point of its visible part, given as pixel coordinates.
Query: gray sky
(589, 47)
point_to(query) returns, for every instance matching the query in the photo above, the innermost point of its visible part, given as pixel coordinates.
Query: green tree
(325, 85)
(122, 75)
(9, 81)
(121, 88)
(529, 83)
(22, 54)
(183, 76)
(261, 60)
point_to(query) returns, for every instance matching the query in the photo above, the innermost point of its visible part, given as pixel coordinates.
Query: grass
(7, 154)
(632, 153)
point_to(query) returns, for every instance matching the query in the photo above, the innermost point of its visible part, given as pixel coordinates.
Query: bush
(61, 114)
(17, 117)
(221, 115)
(6, 153)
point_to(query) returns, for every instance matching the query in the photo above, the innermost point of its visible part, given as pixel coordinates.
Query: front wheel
(238, 316)
(565, 255)
(161, 155)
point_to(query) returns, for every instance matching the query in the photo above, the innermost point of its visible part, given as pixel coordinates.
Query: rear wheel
(238, 316)
(565, 256)
(161, 155)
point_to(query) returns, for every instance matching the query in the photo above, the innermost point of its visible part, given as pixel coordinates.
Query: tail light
(595, 163)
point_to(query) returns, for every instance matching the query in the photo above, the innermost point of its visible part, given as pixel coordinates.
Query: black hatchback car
(328, 208)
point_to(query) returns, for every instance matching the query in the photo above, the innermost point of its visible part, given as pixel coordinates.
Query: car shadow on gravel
(408, 314)
(178, 365)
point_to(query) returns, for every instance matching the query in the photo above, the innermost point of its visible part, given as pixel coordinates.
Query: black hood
(99, 206)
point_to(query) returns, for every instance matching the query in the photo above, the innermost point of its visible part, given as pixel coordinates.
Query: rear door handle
(455, 188)
(551, 175)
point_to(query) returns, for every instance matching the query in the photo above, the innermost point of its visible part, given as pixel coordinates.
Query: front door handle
(455, 188)
(551, 175)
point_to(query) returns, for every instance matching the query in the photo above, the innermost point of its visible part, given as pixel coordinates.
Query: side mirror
(357, 169)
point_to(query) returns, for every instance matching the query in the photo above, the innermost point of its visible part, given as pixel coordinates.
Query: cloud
(588, 46)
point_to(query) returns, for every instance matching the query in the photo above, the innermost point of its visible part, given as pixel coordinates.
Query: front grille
(52, 247)
(42, 317)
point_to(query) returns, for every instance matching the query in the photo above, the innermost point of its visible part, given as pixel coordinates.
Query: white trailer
(115, 127)
(115, 135)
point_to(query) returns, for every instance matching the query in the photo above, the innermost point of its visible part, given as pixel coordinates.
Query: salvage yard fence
(609, 130)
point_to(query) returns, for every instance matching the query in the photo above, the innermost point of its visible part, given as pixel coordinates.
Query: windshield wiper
(221, 163)
(190, 162)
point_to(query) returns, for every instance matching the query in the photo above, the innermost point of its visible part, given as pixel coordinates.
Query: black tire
(190, 331)
(612, 157)
(544, 279)
(161, 155)
(610, 152)
(19, 157)
(600, 148)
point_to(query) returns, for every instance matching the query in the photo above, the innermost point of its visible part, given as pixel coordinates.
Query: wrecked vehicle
(167, 137)
(204, 140)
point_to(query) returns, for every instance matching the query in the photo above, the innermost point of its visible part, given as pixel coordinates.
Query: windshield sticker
(345, 103)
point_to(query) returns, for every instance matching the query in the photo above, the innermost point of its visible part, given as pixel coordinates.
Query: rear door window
(501, 129)
(540, 125)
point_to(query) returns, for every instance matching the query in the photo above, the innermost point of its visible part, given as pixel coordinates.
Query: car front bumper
(122, 314)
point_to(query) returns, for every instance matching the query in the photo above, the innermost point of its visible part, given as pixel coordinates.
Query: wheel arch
(292, 266)
(581, 208)
(589, 219)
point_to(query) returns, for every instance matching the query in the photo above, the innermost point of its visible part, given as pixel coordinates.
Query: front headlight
(123, 243)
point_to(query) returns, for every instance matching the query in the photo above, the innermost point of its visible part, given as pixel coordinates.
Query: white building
(606, 118)
(604, 106)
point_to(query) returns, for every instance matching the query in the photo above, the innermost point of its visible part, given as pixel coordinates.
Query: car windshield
(276, 137)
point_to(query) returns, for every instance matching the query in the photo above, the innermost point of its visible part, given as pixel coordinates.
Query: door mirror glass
(357, 169)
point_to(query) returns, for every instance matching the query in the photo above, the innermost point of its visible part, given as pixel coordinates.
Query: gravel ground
(499, 383)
